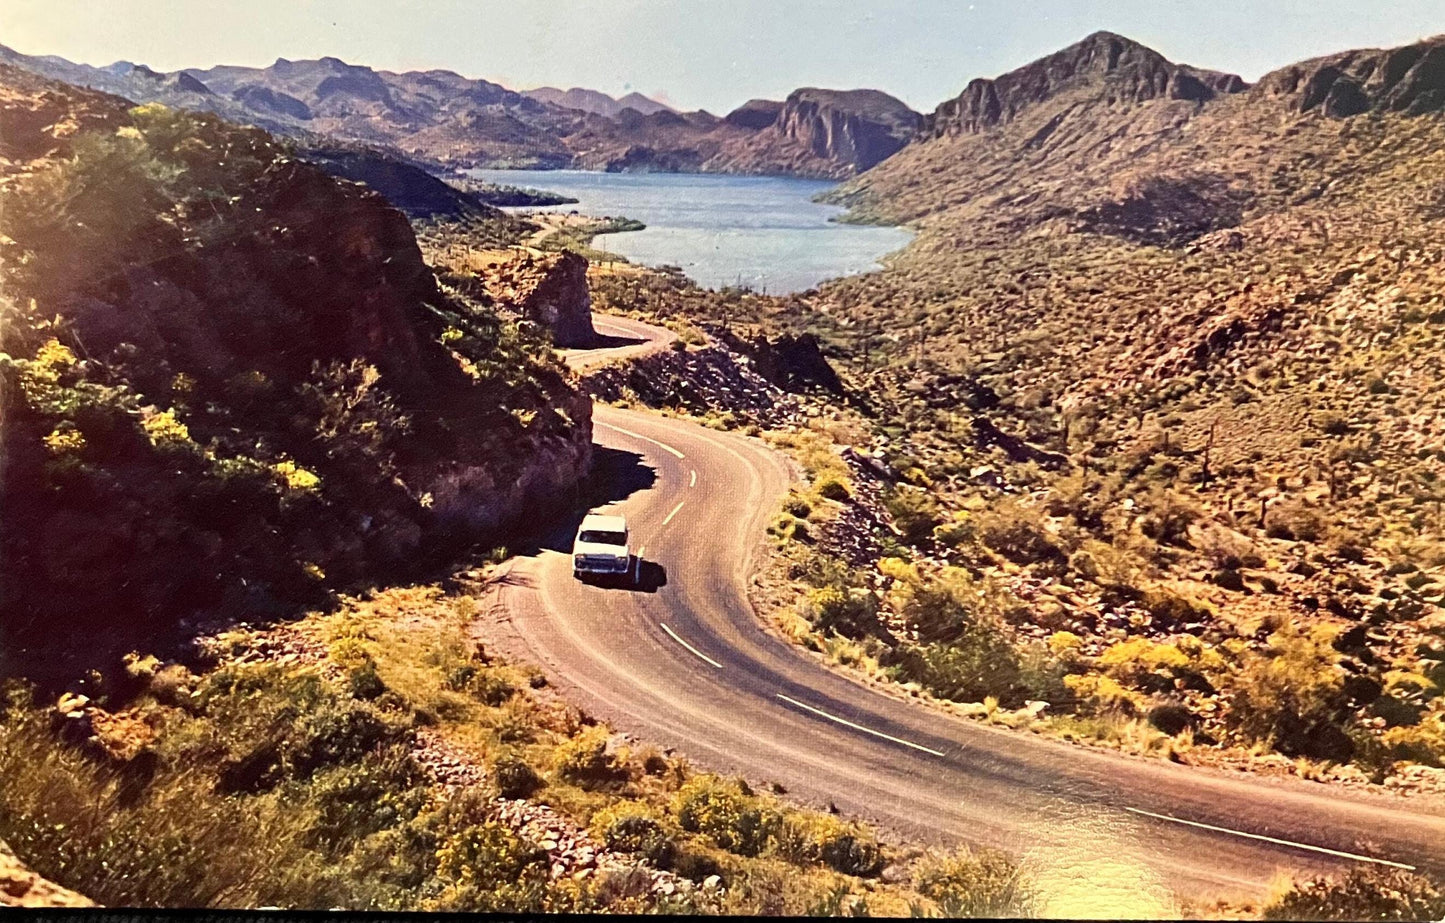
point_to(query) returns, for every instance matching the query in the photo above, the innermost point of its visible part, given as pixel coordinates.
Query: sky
(711, 54)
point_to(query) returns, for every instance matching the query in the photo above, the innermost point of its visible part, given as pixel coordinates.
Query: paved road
(685, 662)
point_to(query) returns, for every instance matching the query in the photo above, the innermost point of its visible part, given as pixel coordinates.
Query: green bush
(1289, 696)
(633, 828)
(515, 777)
(737, 820)
(484, 866)
(585, 761)
(833, 487)
(795, 505)
(974, 884)
(914, 512)
(843, 847)
(979, 663)
(1361, 894)
(849, 612)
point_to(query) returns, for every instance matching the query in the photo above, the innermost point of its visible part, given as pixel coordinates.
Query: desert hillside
(253, 394)
(1147, 422)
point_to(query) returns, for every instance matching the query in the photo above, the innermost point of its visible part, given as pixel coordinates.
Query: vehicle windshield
(597, 537)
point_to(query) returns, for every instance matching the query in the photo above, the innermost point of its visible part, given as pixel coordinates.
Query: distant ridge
(442, 118)
(597, 102)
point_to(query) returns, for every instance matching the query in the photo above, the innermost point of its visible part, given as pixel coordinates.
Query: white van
(601, 549)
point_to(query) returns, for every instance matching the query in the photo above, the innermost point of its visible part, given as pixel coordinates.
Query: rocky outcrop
(712, 380)
(21, 887)
(1410, 79)
(546, 289)
(755, 114)
(792, 362)
(858, 128)
(1121, 70)
(410, 188)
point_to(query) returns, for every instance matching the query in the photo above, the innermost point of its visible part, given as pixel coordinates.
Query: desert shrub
(843, 847)
(178, 846)
(1168, 518)
(1289, 695)
(634, 828)
(1332, 423)
(514, 776)
(832, 487)
(1294, 520)
(483, 866)
(914, 512)
(850, 612)
(1361, 894)
(795, 505)
(585, 761)
(981, 662)
(737, 820)
(1422, 742)
(1169, 606)
(973, 884)
(1172, 718)
(357, 800)
(1017, 533)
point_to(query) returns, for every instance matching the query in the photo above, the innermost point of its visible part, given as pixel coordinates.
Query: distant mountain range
(447, 119)
(596, 102)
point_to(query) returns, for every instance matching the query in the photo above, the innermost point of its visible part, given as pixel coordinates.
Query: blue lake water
(760, 231)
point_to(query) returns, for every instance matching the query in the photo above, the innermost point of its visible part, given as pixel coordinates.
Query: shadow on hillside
(616, 475)
(607, 341)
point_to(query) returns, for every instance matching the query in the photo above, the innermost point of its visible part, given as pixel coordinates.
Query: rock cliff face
(550, 290)
(859, 128)
(1410, 79)
(1126, 71)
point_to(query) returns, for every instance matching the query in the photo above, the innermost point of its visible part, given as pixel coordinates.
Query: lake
(764, 232)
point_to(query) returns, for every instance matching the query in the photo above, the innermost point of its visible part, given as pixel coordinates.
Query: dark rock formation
(793, 363)
(1410, 79)
(755, 114)
(185, 83)
(552, 291)
(410, 188)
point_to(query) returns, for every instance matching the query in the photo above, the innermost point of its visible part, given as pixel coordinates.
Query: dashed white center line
(674, 512)
(1270, 839)
(692, 481)
(628, 432)
(689, 646)
(859, 727)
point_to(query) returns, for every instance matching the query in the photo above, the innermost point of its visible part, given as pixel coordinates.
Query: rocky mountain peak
(1115, 68)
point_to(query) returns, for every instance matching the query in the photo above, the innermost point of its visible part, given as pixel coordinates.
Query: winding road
(685, 662)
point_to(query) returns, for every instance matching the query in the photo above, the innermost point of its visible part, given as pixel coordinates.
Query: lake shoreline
(757, 233)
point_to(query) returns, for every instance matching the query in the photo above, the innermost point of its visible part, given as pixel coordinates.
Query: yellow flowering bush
(295, 477)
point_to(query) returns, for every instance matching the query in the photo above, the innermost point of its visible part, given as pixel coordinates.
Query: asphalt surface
(684, 662)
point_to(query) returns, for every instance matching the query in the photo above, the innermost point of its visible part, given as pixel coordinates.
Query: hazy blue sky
(705, 53)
